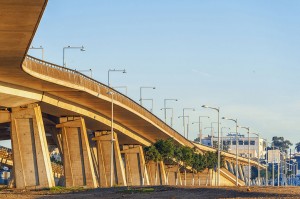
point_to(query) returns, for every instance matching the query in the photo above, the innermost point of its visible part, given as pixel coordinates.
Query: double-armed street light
(165, 107)
(38, 48)
(236, 148)
(219, 153)
(141, 88)
(185, 109)
(113, 70)
(70, 47)
(200, 127)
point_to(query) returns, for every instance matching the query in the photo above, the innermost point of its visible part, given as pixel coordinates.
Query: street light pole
(258, 158)
(38, 48)
(112, 140)
(219, 152)
(200, 127)
(165, 107)
(113, 70)
(236, 148)
(142, 87)
(193, 109)
(249, 166)
(70, 47)
(171, 119)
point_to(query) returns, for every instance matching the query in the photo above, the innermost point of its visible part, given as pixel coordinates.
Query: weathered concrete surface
(32, 167)
(103, 142)
(78, 165)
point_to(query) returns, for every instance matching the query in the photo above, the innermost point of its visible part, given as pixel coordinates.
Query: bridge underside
(43, 107)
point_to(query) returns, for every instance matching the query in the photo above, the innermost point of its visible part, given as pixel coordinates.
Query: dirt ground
(157, 192)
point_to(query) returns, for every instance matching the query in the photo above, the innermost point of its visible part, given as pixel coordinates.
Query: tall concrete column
(103, 142)
(136, 169)
(32, 166)
(77, 160)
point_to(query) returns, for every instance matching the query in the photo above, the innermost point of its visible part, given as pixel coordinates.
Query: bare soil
(170, 192)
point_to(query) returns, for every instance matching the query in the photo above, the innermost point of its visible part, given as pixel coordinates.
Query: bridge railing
(86, 83)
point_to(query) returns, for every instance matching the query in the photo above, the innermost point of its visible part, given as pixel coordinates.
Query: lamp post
(70, 47)
(236, 148)
(222, 135)
(113, 70)
(258, 158)
(143, 87)
(183, 118)
(186, 116)
(200, 127)
(267, 180)
(165, 107)
(219, 154)
(112, 139)
(249, 166)
(171, 120)
(38, 48)
(89, 70)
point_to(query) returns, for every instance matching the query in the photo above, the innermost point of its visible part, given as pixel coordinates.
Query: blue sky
(242, 56)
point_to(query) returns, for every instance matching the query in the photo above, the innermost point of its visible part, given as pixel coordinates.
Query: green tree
(152, 154)
(165, 148)
(282, 144)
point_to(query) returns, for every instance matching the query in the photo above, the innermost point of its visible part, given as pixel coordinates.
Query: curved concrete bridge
(43, 104)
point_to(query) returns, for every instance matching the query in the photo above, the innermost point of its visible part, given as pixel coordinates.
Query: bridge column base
(32, 166)
(156, 173)
(136, 170)
(173, 175)
(103, 140)
(77, 159)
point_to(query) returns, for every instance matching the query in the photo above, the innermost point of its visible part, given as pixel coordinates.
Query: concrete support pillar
(32, 166)
(103, 142)
(136, 169)
(173, 175)
(156, 173)
(78, 165)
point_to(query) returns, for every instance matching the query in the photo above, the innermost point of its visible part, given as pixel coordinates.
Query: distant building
(257, 146)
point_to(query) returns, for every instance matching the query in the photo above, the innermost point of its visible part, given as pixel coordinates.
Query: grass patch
(59, 189)
(137, 190)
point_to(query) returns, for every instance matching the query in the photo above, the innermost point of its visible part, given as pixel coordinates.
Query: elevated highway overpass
(45, 104)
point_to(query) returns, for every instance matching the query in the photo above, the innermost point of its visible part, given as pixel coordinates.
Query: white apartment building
(257, 145)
